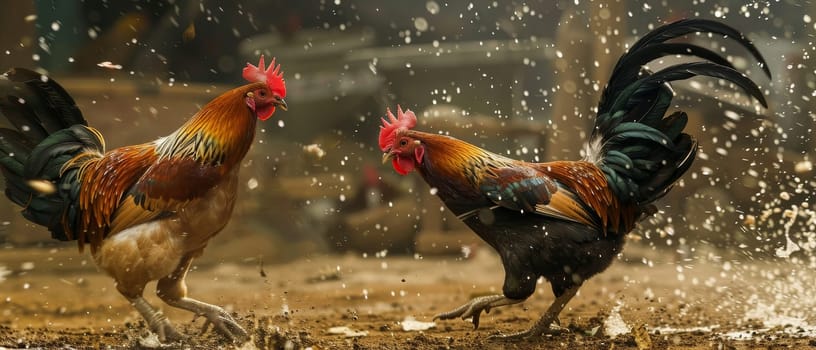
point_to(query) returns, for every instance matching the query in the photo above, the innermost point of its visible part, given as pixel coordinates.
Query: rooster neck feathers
(450, 158)
(211, 139)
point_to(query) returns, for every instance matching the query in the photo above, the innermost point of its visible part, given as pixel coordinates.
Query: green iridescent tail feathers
(640, 149)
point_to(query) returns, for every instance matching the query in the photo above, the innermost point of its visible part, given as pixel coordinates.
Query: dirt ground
(55, 298)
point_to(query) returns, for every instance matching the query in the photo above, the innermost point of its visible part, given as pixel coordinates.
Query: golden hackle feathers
(454, 159)
(220, 133)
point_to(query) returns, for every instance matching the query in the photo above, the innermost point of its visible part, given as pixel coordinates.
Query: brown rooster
(566, 220)
(146, 211)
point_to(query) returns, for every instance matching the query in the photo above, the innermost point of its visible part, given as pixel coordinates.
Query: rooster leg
(475, 307)
(173, 290)
(155, 319)
(544, 324)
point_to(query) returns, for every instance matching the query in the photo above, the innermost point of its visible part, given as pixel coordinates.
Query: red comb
(388, 130)
(272, 76)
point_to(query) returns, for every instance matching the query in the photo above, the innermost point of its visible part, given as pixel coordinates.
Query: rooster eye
(403, 142)
(262, 93)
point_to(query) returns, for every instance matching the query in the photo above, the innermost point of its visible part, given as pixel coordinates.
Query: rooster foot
(156, 320)
(554, 329)
(164, 330)
(223, 323)
(218, 318)
(473, 309)
(548, 324)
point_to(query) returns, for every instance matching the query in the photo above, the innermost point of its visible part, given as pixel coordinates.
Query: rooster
(146, 211)
(566, 220)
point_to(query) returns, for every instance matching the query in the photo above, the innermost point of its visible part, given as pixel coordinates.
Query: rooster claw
(224, 324)
(554, 329)
(473, 309)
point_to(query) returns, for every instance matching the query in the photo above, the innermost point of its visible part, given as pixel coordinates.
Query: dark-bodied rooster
(146, 211)
(566, 220)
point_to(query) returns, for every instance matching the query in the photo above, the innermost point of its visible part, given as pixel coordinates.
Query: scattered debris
(790, 246)
(347, 332)
(671, 330)
(614, 324)
(260, 266)
(109, 65)
(784, 195)
(189, 33)
(314, 149)
(642, 338)
(269, 336)
(774, 323)
(324, 276)
(151, 341)
(4, 271)
(252, 183)
(749, 220)
(410, 324)
(803, 167)
(42, 186)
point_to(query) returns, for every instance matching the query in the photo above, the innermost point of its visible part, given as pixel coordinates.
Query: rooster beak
(387, 156)
(282, 104)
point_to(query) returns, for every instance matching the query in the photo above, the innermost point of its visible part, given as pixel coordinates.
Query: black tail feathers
(45, 130)
(641, 150)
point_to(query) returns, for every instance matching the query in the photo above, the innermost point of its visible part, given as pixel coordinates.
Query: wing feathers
(130, 214)
(159, 187)
(573, 191)
(518, 188)
(563, 205)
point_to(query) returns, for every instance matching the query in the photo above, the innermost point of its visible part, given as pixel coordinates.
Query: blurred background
(517, 77)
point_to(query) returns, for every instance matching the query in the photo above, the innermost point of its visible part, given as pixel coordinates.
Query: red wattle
(403, 165)
(266, 112)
